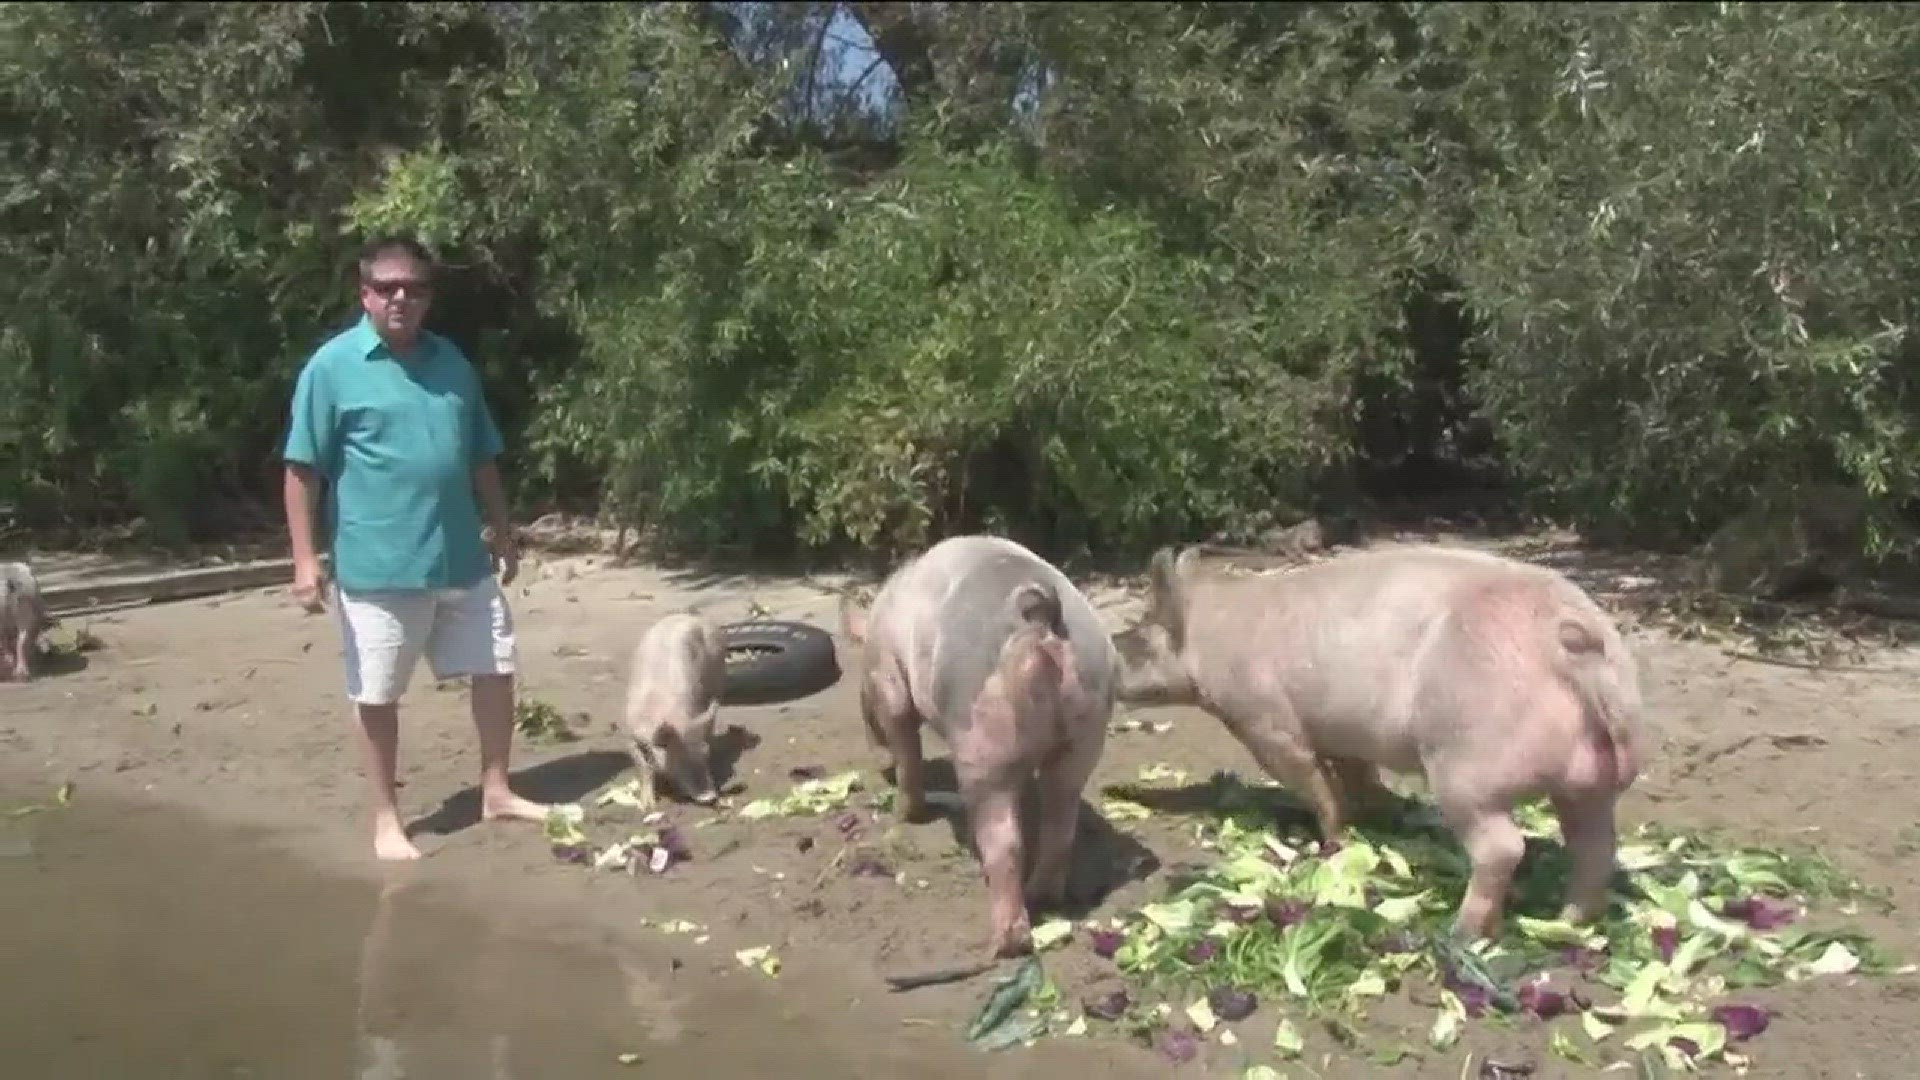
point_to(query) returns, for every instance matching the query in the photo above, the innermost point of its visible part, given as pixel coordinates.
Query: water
(140, 942)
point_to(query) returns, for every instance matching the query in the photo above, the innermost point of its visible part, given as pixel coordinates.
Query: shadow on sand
(1104, 858)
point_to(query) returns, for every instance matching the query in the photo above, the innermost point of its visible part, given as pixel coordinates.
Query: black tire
(771, 660)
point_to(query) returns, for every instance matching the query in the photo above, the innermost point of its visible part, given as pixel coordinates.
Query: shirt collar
(367, 343)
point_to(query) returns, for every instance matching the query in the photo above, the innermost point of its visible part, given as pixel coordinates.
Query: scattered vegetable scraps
(760, 957)
(809, 797)
(62, 797)
(1326, 927)
(1000, 1022)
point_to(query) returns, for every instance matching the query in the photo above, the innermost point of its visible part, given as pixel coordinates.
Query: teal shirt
(397, 442)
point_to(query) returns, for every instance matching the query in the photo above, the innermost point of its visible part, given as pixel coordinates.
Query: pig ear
(1163, 592)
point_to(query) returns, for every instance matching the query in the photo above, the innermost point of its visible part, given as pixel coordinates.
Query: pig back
(973, 620)
(1340, 641)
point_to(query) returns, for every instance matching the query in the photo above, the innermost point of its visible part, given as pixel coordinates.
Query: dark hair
(387, 244)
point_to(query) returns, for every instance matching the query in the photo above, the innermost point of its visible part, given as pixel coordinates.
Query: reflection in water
(141, 942)
(443, 994)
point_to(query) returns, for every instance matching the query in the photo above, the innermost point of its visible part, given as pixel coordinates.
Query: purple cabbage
(1106, 942)
(1760, 912)
(1179, 1046)
(1665, 940)
(1108, 1007)
(1284, 913)
(1582, 959)
(1202, 951)
(1541, 1000)
(1741, 1021)
(675, 842)
(574, 853)
(848, 824)
(1228, 1003)
(1474, 998)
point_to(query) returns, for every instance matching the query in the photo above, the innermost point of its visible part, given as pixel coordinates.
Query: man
(391, 419)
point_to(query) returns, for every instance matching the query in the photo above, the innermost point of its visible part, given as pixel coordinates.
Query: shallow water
(140, 942)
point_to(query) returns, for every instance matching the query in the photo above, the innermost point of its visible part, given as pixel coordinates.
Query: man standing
(392, 421)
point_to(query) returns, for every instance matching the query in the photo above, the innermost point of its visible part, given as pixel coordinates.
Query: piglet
(23, 614)
(1496, 679)
(997, 652)
(677, 672)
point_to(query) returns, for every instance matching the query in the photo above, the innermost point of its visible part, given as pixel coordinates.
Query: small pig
(23, 614)
(673, 695)
(996, 651)
(1496, 679)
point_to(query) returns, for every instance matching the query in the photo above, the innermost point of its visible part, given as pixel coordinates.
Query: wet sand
(143, 942)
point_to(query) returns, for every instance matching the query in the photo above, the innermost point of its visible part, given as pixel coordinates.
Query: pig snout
(682, 761)
(1149, 668)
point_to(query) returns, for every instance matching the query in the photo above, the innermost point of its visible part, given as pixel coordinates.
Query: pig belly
(1364, 736)
(1355, 711)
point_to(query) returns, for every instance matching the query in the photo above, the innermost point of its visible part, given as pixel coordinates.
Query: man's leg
(473, 636)
(383, 636)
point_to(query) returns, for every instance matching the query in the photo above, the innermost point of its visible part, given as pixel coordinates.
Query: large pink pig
(997, 652)
(1498, 680)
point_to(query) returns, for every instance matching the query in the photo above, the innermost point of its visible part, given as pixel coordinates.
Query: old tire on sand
(772, 660)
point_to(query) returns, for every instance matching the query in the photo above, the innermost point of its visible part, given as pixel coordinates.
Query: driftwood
(102, 594)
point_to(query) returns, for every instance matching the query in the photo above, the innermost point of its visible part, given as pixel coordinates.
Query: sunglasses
(414, 287)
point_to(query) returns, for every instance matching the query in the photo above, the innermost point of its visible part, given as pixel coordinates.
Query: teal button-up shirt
(397, 442)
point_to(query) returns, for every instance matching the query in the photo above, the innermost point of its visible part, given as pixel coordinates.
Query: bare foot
(392, 845)
(513, 808)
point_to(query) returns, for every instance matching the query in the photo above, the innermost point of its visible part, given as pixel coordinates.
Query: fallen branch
(1804, 665)
(899, 983)
(168, 585)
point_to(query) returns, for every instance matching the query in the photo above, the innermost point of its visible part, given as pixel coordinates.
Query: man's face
(396, 293)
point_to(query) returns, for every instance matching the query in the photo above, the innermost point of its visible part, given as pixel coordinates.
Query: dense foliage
(761, 276)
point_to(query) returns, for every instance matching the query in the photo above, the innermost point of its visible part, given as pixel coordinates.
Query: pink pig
(676, 674)
(997, 652)
(23, 614)
(1496, 679)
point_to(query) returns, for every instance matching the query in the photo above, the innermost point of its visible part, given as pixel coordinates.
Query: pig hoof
(918, 813)
(1008, 948)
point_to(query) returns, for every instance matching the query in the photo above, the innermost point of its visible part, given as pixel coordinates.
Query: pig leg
(1494, 846)
(1360, 782)
(1061, 782)
(893, 723)
(1287, 758)
(1587, 826)
(993, 807)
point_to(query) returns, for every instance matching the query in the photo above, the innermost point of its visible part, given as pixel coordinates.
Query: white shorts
(461, 631)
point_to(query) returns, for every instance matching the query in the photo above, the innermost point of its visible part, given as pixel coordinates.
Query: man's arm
(311, 441)
(493, 498)
(485, 454)
(301, 492)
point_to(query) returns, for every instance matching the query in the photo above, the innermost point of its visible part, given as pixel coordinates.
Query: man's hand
(506, 553)
(309, 586)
